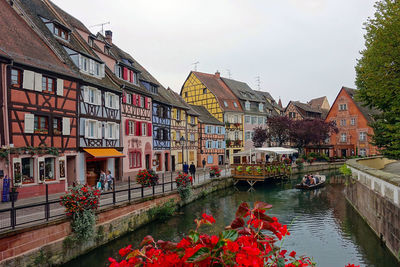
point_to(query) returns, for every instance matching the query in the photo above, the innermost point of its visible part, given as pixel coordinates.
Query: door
(147, 161)
(173, 163)
(117, 175)
(344, 152)
(159, 163)
(166, 161)
(71, 170)
(220, 160)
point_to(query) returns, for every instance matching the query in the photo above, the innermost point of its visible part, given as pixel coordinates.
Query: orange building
(352, 120)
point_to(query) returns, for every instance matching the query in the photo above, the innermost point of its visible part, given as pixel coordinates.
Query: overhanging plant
(147, 178)
(184, 184)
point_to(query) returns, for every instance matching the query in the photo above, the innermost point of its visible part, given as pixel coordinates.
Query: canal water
(322, 224)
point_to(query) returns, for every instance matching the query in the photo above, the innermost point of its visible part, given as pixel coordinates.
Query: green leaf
(194, 236)
(281, 262)
(201, 254)
(230, 234)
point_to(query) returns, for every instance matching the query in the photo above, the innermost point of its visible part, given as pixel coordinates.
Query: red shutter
(124, 98)
(138, 100)
(149, 129)
(138, 130)
(134, 99)
(125, 74)
(131, 76)
(146, 102)
(127, 127)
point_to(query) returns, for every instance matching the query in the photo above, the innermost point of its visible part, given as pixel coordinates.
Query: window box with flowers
(215, 171)
(147, 178)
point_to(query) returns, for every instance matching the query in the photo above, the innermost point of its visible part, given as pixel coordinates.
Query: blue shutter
(210, 159)
(223, 130)
(206, 128)
(223, 144)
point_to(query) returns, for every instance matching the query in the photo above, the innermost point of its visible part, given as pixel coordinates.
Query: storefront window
(27, 170)
(49, 164)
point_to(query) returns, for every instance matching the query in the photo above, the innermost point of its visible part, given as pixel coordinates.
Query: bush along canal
(321, 222)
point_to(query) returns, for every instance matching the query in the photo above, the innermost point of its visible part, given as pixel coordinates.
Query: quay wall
(375, 195)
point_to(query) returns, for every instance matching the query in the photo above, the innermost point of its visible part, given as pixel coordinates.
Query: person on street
(102, 179)
(109, 179)
(185, 168)
(192, 170)
(204, 164)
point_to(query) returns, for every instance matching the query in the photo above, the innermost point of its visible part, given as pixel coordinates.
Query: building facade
(352, 119)
(209, 91)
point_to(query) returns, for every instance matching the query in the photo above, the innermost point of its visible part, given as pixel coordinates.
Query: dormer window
(106, 50)
(260, 107)
(60, 32)
(247, 105)
(234, 103)
(225, 104)
(90, 41)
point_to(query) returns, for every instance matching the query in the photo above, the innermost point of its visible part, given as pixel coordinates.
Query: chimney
(217, 74)
(109, 36)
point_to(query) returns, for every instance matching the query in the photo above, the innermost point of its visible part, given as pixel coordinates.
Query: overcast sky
(300, 49)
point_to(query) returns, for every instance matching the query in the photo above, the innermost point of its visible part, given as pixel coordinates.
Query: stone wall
(376, 196)
(48, 244)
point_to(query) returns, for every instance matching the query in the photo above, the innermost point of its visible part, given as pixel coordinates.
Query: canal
(322, 225)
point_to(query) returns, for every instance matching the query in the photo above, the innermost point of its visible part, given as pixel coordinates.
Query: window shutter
(196, 136)
(99, 133)
(131, 76)
(85, 94)
(138, 128)
(106, 96)
(134, 99)
(106, 131)
(66, 127)
(222, 130)
(146, 103)
(123, 97)
(91, 66)
(127, 127)
(102, 70)
(38, 82)
(116, 128)
(138, 100)
(28, 80)
(86, 128)
(97, 95)
(149, 131)
(29, 123)
(125, 74)
(60, 87)
(173, 137)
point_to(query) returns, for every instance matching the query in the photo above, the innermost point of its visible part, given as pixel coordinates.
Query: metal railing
(34, 213)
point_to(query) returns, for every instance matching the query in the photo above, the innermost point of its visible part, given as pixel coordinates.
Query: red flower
(292, 254)
(208, 218)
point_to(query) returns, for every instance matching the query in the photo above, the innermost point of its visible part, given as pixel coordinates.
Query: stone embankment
(375, 194)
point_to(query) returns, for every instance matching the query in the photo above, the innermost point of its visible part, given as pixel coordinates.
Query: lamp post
(182, 141)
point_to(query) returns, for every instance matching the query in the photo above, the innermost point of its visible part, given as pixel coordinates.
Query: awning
(277, 150)
(104, 152)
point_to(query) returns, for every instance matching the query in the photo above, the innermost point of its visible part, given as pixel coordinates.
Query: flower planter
(13, 196)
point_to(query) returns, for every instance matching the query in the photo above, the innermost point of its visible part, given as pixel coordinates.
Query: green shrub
(162, 212)
(346, 171)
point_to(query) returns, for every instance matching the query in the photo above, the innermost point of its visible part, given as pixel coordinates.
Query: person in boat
(312, 180)
(306, 180)
(316, 180)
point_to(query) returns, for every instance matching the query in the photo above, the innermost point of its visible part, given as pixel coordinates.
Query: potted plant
(249, 169)
(239, 169)
(147, 178)
(258, 170)
(13, 193)
(184, 184)
(215, 171)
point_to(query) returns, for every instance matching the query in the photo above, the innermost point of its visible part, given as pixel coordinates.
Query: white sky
(301, 49)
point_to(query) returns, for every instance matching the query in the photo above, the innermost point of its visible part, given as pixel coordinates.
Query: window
(253, 120)
(204, 91)
(343, 122)
(186, 94)
(27, 170)
(247, 136)
(260, 107)
(234, 103)
(220, 144)
(235, 119)
(246, 105)
(292, 115)
(225, 104)
(131, 126)
(208, 129)
(90, 41)
(342, 106)
(363, 136)
(41, 124)
(118, 71)
(178, 135)
(191, 155)
(236, 135)
(141, 101)
(85, 63)
(247, 119)
(219, 129)
(49, 167)
(210, 159)
(260, 120)
(48, 84)
(178, 114)
(192, 137)
(192, 120)
(92, 95)
(363, 152)
(91, 129)
(57, 126)
(129, 98)
(16, 78)
(61, 33)
(353, 121)
(135, 159)
(209, 144)
(179, 157)
(343, 137)
(144, 129)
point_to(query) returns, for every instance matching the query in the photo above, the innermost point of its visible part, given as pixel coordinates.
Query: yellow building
(183, 124)
(209, 91)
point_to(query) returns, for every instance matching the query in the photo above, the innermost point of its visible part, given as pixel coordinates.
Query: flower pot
(13, 196)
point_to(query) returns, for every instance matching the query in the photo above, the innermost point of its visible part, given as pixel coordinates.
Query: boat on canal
(321, 183)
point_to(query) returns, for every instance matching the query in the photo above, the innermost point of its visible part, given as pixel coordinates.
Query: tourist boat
(322, 180)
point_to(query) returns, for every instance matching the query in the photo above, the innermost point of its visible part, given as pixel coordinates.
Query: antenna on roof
(229, 73)
(102, 26)
(195, 65)
(258, 81)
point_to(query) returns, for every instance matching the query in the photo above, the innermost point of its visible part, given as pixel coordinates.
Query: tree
(310, 131)
(378, 75)
(260, 137)
(278, 129)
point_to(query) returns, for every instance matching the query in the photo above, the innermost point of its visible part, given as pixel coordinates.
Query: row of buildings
(74, 103)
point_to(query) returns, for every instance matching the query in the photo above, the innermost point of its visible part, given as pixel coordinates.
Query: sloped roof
(242, 90)
(305, 107)
(220, 90)
(74, 22)
(205, 116)
(318, 102)
(367, 112)
(273, 105)
(24, 46)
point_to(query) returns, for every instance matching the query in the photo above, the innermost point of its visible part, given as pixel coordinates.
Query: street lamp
(182, 141)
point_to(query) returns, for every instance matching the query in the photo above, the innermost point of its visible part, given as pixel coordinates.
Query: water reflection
(322, 224)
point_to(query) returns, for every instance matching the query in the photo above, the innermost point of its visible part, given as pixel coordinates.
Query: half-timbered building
(183, 124)
(211, 138)
(209, 91)
(98, 96)
(38, 131)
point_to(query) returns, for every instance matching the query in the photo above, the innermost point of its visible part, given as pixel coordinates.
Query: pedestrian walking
(102, 179)
(109, 179)
(185, 168)
(192, 170)
(204, 164)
